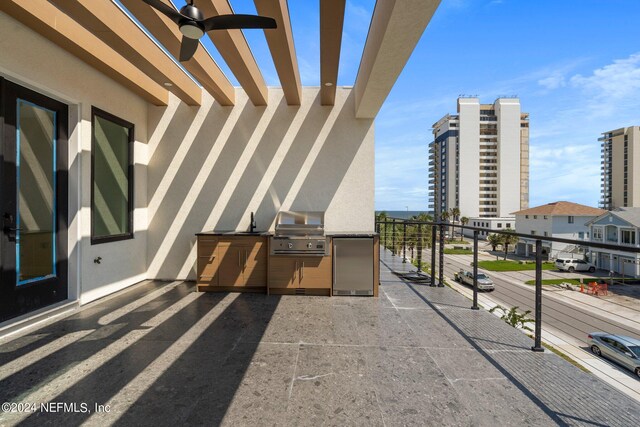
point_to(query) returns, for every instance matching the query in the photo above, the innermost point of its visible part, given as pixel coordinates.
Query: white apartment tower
(479, 159)
(620, 181)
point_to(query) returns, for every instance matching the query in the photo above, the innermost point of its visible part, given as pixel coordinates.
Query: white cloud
(612, 89)
(553, 82)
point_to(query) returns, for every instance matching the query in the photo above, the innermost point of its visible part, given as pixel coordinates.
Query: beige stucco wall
(28, 59)
(210, 167)
(197, 168)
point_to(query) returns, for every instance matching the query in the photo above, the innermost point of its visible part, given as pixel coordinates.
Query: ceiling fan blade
(233, 22)
(188, 48)
(167, 10)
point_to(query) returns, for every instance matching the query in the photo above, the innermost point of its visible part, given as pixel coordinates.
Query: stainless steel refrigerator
(352, 266)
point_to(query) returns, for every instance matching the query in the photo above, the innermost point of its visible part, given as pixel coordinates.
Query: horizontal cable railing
(398, 234)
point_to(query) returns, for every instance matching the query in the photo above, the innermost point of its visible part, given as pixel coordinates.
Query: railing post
(393, 237)
(404, 242)
(441, 272)
(475, 271)
(537, 346)
(419, 245)
(433, 255)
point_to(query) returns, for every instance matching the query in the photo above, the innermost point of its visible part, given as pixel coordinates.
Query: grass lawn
(452, 241)
(452, 251)
(502, 265)
(572, 281)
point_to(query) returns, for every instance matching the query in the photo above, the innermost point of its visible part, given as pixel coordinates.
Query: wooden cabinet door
(231, 264)
(255, 263)
(315, 272)
(283, 272)
(207, 263)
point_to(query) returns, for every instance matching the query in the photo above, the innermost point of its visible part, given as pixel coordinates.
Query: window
(508, 225)
(533, 232)
(546, 234)
(112, 178)
(535, 217)
(545, 217)
(526, 216)
(570, 219)
(628, 237)
(597, 233)
(499, 225)
(581, 235)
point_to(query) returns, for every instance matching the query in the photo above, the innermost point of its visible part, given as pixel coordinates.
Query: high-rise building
(620, 179)
(479, 159)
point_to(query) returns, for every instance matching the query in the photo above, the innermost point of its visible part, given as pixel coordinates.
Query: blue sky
(575, 65)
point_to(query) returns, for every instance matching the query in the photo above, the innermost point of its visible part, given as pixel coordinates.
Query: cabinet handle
(246, 256)
(239, 252)
(206, 277)
(302, 271)
(294, 273)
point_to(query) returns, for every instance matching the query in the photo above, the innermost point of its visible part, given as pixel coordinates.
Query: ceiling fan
(193, 25)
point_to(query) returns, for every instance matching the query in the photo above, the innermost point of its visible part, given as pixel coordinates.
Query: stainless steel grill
(299, 234)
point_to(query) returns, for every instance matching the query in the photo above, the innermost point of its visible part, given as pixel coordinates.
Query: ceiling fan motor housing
(191, 28)
(192, 12)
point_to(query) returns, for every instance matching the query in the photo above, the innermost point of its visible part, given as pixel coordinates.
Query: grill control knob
(290, 245)
(309, 245)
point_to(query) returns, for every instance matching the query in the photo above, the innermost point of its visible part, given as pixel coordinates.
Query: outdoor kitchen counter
(232, 261)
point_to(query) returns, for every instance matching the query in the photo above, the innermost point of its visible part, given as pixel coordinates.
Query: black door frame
(17, 300)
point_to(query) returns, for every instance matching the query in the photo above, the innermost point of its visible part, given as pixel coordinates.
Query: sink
(245, 233)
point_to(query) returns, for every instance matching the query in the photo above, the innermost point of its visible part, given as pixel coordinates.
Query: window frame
(130, 175)
(629, 232)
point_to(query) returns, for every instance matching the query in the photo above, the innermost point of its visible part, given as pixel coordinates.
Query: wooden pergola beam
(47, 20)
(233, 47)
(112, 26)
(282, 48)
(396, 28)
(201, 65)
(331, 24)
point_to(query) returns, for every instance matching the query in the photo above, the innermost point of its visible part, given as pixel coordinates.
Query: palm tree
(444, 217)
(421, 235)
(464, 221)
(381, 218)
(507, 239)
(455, 214)
(494, 240)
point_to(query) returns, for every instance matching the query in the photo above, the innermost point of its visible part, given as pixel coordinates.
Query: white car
(571, 265)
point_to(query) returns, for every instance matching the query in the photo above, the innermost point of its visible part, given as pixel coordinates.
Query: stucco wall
(28, 59)
(210, 167)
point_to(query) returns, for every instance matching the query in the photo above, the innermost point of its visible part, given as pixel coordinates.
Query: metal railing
(432, 234)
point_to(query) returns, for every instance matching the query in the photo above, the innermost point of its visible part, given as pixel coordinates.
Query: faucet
(252, 226)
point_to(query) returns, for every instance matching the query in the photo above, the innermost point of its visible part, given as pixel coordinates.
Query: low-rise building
(493, 224)
(618, 227)
(565, 220)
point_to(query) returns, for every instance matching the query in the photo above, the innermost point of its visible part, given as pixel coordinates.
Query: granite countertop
(351, 234)
(235, 233)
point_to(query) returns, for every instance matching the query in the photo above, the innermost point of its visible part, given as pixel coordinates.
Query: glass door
(34, 201)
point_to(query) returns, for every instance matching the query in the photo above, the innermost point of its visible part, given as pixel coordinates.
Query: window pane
(35, 234)
(110, 210)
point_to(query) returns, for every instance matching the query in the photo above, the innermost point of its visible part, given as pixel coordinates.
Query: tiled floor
(165, 355)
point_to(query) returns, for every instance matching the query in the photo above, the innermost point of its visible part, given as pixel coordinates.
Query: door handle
(302, 271)
(239, 252)
(296, 270)
(245, 258)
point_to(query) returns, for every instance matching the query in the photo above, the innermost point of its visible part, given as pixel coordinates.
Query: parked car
(466, 277)
(623, 350)
(571, 265)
